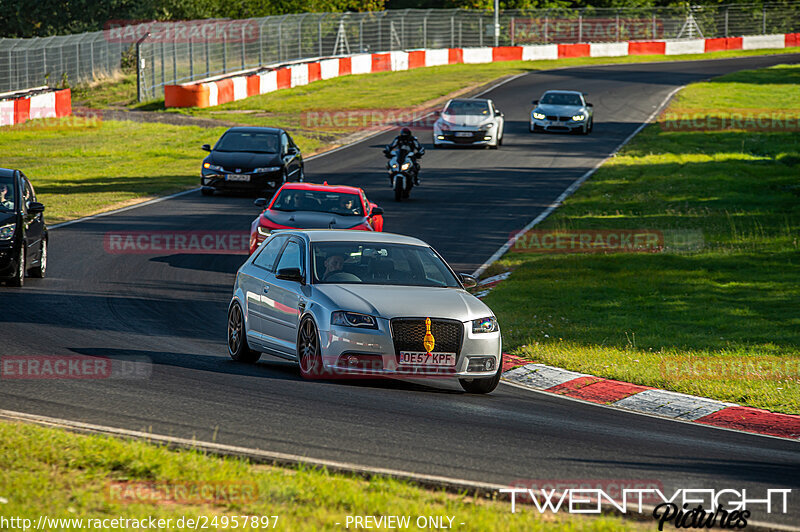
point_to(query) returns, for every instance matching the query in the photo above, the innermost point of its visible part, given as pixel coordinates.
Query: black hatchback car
(23, 233)
(258, 159)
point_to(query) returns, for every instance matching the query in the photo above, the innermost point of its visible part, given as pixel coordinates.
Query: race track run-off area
(170, 310)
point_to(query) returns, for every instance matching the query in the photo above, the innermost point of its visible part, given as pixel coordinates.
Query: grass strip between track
(713, 314)
(52, 472)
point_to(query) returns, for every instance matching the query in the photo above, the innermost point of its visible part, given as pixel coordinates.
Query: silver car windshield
(561, 98)
(379, 263)
(318, 201)
(467, 107)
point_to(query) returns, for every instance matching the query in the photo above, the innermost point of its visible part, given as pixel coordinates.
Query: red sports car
(314, 206)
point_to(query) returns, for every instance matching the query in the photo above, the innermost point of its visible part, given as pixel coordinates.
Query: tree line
(39, 18)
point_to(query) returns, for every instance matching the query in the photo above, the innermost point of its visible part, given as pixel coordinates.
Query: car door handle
(302, 304)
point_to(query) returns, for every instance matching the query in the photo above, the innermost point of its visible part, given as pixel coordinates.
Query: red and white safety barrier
(16, 108)
(218, 91)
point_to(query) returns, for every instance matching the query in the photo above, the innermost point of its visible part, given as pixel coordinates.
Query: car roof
(254, 129)
(7, 172)
(470, 100)
(344, 189)
(579, 93)
(342, 235)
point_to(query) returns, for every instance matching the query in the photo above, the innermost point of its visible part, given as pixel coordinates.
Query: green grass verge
(721, 321)
(81, 167)
(51, 472)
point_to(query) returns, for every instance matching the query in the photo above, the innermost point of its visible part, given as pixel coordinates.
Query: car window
(290, 199)
(7, 189)
(467, 107)
(248, 141)
(30, 195)
(291, 257)
(269, 252)
(561, 98)
(430, 263)
(379, 263)
(284, 143)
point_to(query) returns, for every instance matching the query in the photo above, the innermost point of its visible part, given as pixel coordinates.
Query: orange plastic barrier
(647, 48)
(507, 53)
(381, 62)
(416, 59)
(574, 50)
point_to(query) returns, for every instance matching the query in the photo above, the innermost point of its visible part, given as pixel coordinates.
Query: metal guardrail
(179, 52)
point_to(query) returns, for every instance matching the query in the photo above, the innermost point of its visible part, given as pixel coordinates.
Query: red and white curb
(20, 106)
(485, 285)
(231, 87)
(647, 400)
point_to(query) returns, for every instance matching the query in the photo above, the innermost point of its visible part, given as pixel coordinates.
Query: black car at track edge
(257, 159)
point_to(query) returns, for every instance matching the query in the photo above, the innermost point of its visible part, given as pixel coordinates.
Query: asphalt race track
(172, 309)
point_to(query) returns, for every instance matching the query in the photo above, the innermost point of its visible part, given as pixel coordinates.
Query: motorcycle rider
(408, 141)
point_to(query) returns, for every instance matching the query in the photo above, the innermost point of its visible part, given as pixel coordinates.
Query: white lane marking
(572, 188)
(541, 376)
(495, 278)
(672, 404)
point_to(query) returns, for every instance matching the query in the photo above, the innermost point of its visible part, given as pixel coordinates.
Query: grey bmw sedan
(345, 303)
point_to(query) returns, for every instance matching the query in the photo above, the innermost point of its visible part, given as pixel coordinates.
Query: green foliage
(23, 18)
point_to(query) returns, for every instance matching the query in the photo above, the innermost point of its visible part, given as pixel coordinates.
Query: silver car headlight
(266, 169)
(538, 116)
(353, 319)
(579, 117)
(7, 231)
(214, 167)
(485, 325)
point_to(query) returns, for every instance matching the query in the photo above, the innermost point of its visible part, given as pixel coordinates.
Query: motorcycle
(401, 171)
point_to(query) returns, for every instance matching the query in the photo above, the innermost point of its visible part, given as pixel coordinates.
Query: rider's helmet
(405, 133)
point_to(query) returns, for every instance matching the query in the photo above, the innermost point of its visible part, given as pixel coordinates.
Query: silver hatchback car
(346, 303)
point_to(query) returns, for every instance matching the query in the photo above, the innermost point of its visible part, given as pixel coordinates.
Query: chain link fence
(166, 59)
(167, 53)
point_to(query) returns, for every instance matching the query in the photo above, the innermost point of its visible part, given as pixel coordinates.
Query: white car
(344, 303)
(469, 121)
(566, 111)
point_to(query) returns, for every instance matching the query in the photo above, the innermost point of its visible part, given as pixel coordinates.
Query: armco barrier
(16, 108)
(217, 91)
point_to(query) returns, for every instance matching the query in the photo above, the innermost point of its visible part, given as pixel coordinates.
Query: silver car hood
(467, 120)
(565, 110)
(406, 301)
